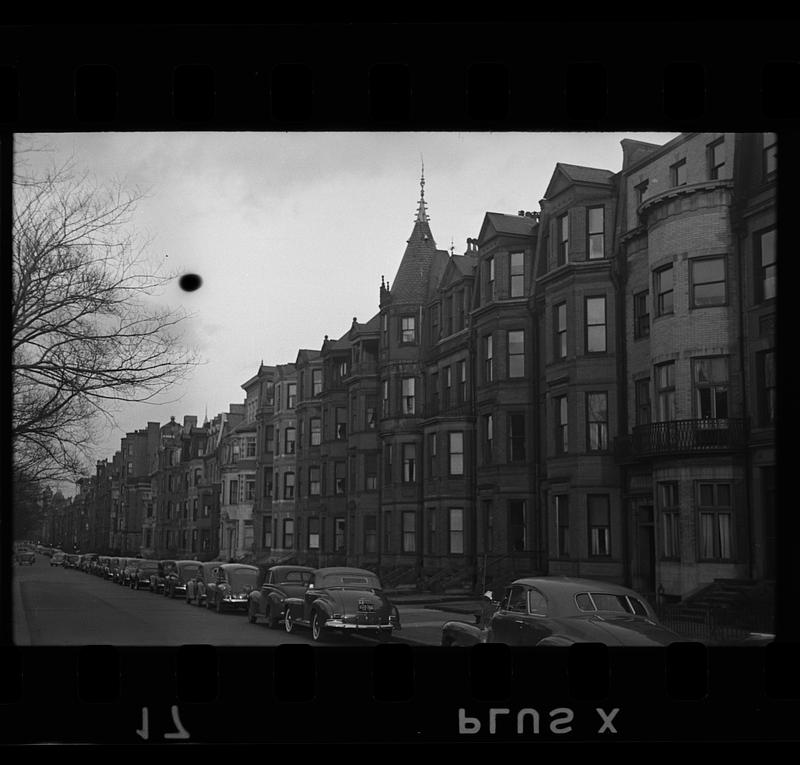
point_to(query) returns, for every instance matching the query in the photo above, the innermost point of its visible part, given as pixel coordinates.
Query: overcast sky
(291, 232)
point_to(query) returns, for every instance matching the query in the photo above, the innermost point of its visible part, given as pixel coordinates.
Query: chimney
(189, 421)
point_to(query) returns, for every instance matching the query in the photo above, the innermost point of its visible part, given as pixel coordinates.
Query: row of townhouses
(588, 390)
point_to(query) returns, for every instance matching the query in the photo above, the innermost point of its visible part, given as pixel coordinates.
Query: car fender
(556, 640)
(295, 605)
(456, 633)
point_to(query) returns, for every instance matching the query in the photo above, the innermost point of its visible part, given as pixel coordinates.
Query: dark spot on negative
(190, 282)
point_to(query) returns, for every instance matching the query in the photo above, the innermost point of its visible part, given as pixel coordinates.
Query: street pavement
(53, 606)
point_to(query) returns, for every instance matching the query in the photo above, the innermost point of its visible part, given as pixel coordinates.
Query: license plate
(362, 606)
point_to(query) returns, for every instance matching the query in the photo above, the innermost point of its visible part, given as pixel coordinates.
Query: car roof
(574, 585)
(284, 567)
(343, 570)
(227, 566)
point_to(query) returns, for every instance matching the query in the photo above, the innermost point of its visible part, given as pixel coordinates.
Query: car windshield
(350, 580)
(604, 601)
(299, 577)
(241, 577)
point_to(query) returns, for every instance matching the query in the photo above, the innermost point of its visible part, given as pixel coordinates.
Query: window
(677, 173)
(640, 190)
(315, 431)
(370, 534)
(715, 153)
(316, 382)
(462, 381)
(595, 233)
(409, 463)
(277, 485)
(249, 490)
(433, 468)
(267, 484)
(185, 506)
(456, 531)
(434, 393)
(341, 423)
(715, 514)
(517, 525)
(562, 524)
(277, 440)
(599, 525)
(266, 532)
(562, 239)
(314, 483)
(206, 511)
(288, 533)
(642, 396)
(670, 519)
(370, 416)
(288, 485)
(663, 290)
(289, 439)
(487, 359)
(516, 353)
(456, 453)
(459, 311)
(407, 384)
(409, 520)
(597, 422)
(595, 325)
(488, 436)
(387, 531)
(516, 437)
(313, 533)
(371, 471)
(339, 536)
(766, 386)
(490, 279)
(665, 391)
(233, 492)
(340, 480)
(291, 395)
(269, 436)
(388, 463)
(385, 399)
(769, 153)
(708, 282)
(269, 393)
(560, 324)
(641, 315)
(766, 271)
(435, 331)
(408, 329)
(561, 422)
(448, 386)
(448, 303)
(711, 387)
(341, 370)
(516, 275)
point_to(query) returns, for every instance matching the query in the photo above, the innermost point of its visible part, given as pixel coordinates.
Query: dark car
(273, 585)
(560, 611)
(58, 558)
(117, 571)
(25, 555)
(197, 586)
(87, 560)
(232, 587)
(103, 563)
(71, 561)
(177, 576)
(344, 600)
(126, 571)
(158, 580)
(143, 569)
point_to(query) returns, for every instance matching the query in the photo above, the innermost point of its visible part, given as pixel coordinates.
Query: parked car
(143, 569)
(158, 580)
(87, 559)
(25, 555)
(176, 577)
(72, 560)
(232, 587)
(342, 599)
(113, 565)
(128, 570)
(273, 585)
(119, 571)
(58, 558)
(560, 611)
(102, 566)
(197, 586)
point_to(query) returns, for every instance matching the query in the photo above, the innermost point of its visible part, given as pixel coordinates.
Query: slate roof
(581, 174)
(503, 223)
(421, 265)
(465, 263)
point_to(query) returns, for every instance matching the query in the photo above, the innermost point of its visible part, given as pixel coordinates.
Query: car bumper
(236, 602)
(338, 624)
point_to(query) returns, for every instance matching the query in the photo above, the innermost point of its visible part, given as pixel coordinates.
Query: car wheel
(317, 629)
(288, 622)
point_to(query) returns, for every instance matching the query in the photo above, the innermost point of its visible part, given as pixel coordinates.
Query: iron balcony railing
(681, 437)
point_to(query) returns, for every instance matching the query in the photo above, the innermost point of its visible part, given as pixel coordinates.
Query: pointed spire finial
(452, 247)
(422, 215)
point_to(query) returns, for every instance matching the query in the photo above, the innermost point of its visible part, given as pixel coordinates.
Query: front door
(647, 550)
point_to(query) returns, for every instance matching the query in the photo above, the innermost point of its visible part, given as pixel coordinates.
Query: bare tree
(86, 329)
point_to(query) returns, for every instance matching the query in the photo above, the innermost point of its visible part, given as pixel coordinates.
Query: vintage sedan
(197, 586)
(158, 581)
(117, 571)
(58, 558)
(232, 587)
(143, 569)
(342, 599)
(560, 611)
(25, 555)
(177, 577)
(273, 585)
(127, 571)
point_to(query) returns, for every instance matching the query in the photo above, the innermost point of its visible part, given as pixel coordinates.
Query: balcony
(681, 437)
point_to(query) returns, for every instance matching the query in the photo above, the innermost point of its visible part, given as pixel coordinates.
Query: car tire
(288, 622)
(317, 629)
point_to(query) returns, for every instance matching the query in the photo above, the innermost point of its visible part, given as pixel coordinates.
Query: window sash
(641, 316)
(516, 287)
(516, 353)
(561, 330)
(595, 324)
(708, 282)
(456, 453)
(596, 233)
(597, 421)
(664, 291)
(456, 531)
